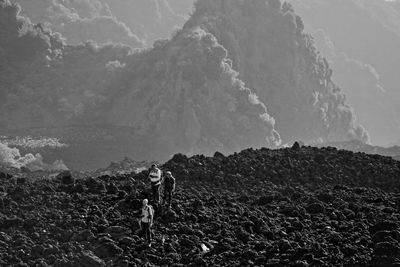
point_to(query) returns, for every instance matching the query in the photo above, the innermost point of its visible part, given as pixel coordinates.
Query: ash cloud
(279, 61)
(11, 157)
(80, 21)
(193, 91)
(365, 57)
(135, 23)
(274, 138)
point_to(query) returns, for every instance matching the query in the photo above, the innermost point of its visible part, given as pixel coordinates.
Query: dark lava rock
(386, 248)
(315, 208)
(169, 215)
(179, 158)
(21, 180)
(264, 200)
(384, 226)
(108, 250)
(296, 146)
(9, 222)
(287, 207)
(66, 177)
(383, 235)
(88, 259)
(219, 155)
(95, 186)
(3, 175)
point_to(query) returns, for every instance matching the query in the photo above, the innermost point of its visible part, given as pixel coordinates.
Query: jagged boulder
(65, 177)
(108, 250)
(88, 259)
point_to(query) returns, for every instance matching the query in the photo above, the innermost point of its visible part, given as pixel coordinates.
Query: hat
(168, 173)
(145, 201)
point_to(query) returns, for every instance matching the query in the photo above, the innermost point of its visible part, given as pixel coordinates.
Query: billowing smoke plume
(11, 157)
(149, 19)
(45, 82)
(273, 138)
(363, 88)
(183, 7)
(135, 23)
(189, 99)
(365, 57)
(206, 89)
(80, 21)
(273, 55)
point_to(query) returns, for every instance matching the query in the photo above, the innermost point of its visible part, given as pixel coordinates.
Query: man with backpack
(146, 221)
(155, 179)
(169, 188)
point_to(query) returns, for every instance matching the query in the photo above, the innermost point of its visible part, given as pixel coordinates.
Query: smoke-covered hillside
(206, 89)
(361, 40)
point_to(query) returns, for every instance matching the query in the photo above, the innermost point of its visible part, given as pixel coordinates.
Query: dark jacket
(169, 183)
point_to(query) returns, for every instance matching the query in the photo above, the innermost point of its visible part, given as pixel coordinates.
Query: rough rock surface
(298, 206)
(357, 146)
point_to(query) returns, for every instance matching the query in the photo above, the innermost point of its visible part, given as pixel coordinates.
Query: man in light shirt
(155, 179)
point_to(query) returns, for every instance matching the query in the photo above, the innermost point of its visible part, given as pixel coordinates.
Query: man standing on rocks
(146, 221)
(155, 179)
(169, 188)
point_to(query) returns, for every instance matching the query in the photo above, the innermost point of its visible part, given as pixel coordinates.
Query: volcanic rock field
(298, 206)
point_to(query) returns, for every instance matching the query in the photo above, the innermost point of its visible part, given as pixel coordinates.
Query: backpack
(150, 210)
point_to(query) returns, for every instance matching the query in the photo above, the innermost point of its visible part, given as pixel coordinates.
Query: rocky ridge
(299, 206)
(357, 146)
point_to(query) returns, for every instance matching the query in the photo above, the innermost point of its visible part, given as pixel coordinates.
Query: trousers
(168, 196)
(146, 231)
(156, 193)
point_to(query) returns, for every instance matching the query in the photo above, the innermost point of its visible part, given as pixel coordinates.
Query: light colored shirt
(146, 214)
(155, 176)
